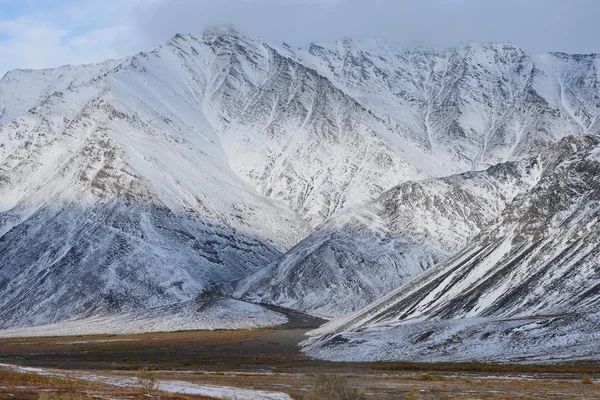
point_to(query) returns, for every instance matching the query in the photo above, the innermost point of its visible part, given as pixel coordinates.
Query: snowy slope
(291, 133)
(21, 90)
(532, 276)
(204, 313)
(475, 105)
(360, 255)
(113, 202)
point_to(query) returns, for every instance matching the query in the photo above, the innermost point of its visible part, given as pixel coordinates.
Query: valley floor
(196, 363)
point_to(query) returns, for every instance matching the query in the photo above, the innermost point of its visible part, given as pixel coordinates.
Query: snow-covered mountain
(22, 90)
(363, 253)
(117, 196)
(137, 184)
(474, 105)
(470, 106)
(525, 289)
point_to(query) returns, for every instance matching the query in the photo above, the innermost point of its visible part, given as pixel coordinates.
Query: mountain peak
(222, 30)
(179, 36)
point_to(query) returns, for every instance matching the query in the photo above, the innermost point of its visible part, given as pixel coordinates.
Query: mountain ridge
(525, 288)
(207, 158)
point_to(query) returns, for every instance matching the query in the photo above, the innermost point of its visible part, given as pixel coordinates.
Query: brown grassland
(268, 359)
(20, 385)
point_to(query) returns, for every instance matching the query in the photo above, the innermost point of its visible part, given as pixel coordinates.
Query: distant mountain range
(220, 170)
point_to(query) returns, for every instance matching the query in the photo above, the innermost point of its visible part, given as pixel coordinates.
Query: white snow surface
(181, 387)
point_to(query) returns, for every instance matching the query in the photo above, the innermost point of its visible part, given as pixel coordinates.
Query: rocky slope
(362, 254)
(525, 289)
(470, 106)
(475, 105)
(113, 202)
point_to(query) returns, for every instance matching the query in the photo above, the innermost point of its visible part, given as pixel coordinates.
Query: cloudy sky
(46, 33)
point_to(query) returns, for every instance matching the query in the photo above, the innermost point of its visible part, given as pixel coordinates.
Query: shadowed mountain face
(115, 257)
(540, 258)
(139, 183)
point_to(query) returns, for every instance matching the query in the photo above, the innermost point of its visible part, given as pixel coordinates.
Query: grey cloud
(93, 30)
(536, 25)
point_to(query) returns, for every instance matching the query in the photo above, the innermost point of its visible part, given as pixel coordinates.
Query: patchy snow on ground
(224, 392)
(219, 391)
